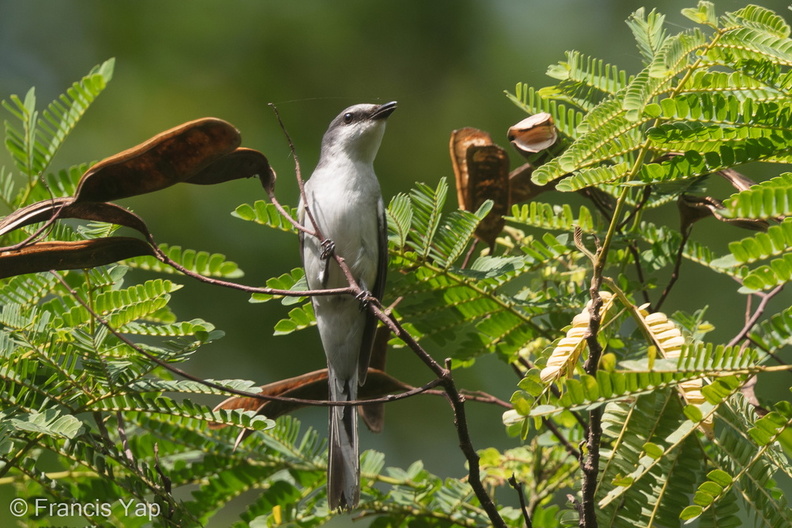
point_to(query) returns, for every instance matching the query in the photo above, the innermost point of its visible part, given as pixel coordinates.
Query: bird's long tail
(343, 472)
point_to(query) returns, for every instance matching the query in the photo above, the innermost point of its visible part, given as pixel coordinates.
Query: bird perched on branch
(343, 198)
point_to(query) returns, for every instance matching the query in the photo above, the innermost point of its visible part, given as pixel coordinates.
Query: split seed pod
(533, 134)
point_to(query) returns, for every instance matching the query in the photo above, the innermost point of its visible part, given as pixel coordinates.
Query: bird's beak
(384, 110)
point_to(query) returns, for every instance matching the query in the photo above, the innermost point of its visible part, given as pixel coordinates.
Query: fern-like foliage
(586, 80)
(71, 388)
(35, 137)
(679, 439)
(207, 264)
(538, 214)
(768, 199)
(770, 250)
(265, 213)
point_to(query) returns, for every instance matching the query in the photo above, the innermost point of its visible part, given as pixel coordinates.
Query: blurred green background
(446, 62)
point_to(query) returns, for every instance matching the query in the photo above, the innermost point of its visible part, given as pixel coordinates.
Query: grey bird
(343, 196)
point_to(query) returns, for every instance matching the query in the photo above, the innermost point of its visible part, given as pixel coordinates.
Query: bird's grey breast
(346, 209)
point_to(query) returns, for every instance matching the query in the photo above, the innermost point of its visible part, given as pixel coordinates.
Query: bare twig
(647, 192)
(760, 309)
(292, 148)
(675, 272)
(484, 397)
(300, 183)
(639, 271)
(470, 253)
(162, 257)
(518, 486)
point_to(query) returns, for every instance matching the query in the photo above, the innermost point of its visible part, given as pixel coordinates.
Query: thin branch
(764, 349)
(300, 182)
(647, 192)
(126, 457)
(297, 225)
(292, 149)
(162, 257)
(484, 397)
(466, 445)
(639, 271)
(166, 484)
(470, 253)
(675, 272)
(518, 487)
(547, 422)
(760, 309)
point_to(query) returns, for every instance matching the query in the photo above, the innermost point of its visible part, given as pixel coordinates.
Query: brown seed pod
(44, 256)
(173, 156)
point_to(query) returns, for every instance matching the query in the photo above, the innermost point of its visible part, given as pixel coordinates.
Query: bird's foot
(365, 298)
(328, 249)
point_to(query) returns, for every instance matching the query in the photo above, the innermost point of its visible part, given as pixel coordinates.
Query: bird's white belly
(349, 219)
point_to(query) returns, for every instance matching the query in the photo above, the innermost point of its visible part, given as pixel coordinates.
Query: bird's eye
(348, 117)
